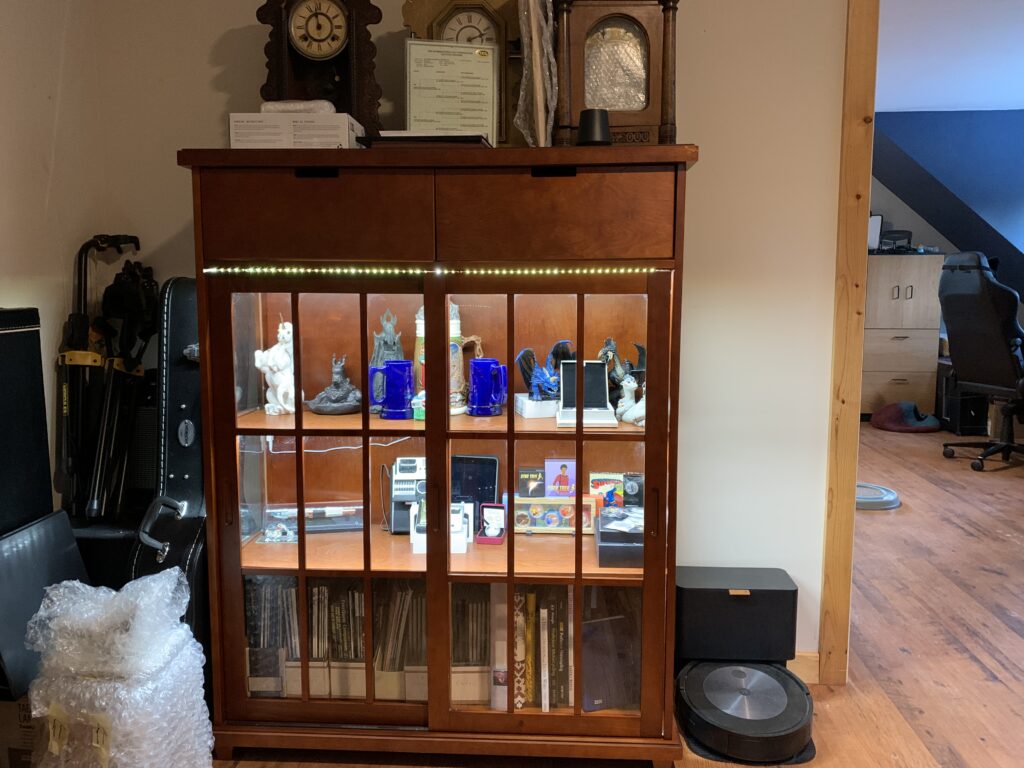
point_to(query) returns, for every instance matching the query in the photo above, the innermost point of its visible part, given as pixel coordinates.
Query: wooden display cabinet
(330, 632)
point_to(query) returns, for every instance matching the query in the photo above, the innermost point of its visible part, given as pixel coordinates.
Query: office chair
(984, 346)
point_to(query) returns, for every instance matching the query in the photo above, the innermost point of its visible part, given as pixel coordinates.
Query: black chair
(984, 345)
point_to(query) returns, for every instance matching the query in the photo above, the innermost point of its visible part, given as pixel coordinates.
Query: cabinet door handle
(899, 338)
(655, 494)
(910, 291)
(899, 381)
(317, 172)
(895, 292)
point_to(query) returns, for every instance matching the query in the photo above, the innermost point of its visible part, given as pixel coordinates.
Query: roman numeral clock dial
(318, 29)
(469, 27)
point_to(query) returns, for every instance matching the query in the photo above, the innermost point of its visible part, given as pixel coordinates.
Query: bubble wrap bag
(121, 679)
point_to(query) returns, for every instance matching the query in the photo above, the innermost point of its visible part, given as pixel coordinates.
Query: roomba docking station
(760, 713)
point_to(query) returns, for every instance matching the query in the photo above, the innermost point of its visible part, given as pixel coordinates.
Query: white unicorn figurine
(276, 365)
(628, 409)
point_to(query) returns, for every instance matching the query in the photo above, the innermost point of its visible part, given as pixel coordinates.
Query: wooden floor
(937, 645)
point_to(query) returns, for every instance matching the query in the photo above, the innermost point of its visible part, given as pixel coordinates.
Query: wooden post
(540, 112)
(667, 129)
(563, 118)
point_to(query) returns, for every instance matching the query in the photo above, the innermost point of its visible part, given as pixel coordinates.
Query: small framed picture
(560, 477)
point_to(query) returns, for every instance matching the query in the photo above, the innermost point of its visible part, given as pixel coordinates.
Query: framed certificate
(452, 88)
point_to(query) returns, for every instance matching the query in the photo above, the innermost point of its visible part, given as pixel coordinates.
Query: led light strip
(352, 271)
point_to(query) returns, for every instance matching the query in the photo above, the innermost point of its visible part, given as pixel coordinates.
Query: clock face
(318, 29)
(469, 26)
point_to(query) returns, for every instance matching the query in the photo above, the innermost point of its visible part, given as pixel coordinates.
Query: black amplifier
(734, 614)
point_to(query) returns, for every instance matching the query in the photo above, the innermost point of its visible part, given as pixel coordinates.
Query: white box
(389, 686)
(293, 678)
(415, 683)
(471, 685)
(348, 680)
(535, 409)
(319, 680)
(417, 539)
(258, 130)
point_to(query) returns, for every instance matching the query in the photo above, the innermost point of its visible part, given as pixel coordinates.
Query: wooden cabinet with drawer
(901, 336)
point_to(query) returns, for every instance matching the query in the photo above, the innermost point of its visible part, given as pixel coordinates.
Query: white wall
(896, 214)
(950, 54)
(759, 89)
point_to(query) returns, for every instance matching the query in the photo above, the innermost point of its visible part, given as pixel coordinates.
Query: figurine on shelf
(629, 410)
(542, 381)
(387, 345)
(457, 347)
(619, 369)
(276, 365)
(340, 396)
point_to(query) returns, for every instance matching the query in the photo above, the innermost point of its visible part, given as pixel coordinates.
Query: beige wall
(759, 90)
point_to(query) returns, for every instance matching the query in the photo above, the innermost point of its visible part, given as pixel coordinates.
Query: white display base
(535, 409)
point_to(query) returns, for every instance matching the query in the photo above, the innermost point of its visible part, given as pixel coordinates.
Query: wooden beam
(848, 336)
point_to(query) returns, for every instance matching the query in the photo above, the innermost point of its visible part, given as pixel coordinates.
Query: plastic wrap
(121, 681)
(616, 66)
(540, 63)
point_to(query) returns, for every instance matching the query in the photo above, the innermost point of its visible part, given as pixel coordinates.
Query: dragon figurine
(620, 369)
(542, 381)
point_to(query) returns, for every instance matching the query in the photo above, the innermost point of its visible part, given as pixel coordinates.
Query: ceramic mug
(488, 387)
(398, 391)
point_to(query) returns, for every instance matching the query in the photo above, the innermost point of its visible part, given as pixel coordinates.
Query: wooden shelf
(537, 555)
(317, 422)
(258, 420)
(466, 423)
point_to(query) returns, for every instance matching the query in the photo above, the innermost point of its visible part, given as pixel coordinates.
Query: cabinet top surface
(402, 157)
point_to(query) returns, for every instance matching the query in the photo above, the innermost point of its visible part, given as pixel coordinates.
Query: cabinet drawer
(317, 214)
(556, 212)
(880, 388)
(893, 349)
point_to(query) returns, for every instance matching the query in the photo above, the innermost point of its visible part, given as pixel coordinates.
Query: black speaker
(24, 451)
(734, 614)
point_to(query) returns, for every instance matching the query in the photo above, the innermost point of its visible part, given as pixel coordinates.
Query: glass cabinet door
(552, 568)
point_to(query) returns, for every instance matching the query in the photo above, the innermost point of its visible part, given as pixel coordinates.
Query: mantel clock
(617, 55)
(321, 49)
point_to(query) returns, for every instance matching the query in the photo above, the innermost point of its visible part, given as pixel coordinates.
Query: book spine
(571, 621)
(563, 672)
(531, 648)
(519, 660)
(545, 677)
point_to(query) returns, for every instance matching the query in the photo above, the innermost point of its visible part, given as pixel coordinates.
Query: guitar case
(173, 530)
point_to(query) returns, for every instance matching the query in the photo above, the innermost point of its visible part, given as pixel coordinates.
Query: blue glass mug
(488, 387)
(398, 391)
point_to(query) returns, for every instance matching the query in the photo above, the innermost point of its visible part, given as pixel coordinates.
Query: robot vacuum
(760, 713)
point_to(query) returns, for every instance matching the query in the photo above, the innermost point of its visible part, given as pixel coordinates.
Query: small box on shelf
(492, 524)
(535, 409)
(471, 685)
(348, 679)
(415, 683)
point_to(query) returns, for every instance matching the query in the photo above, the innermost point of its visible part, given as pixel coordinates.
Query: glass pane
(544, 508)
(479, 669)
(398, 512)
(616, 66)
(615, 479)
(337, 668)
(545, 336)
(400, 639)
(611, 649)
(478, 347)
(615, 333)
(478, 492)
(272, 665)
(332, 369)
(543, 668)
(395, 377)
(267, 501)
(332, 469)
(264, 374)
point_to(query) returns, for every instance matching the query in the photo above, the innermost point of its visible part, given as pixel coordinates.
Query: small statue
(276, 365)
(629, 410)
(340, 396)
(542, 381)
(387, 345)
(621, 368)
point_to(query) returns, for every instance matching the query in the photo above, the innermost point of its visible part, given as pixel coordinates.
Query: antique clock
(491, 22)
(321, 49)
(618, 55)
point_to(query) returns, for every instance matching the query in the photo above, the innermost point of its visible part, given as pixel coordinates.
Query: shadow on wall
(241, 70)
(390, 74)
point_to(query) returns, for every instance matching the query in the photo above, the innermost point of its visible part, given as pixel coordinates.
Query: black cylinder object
(593, 130)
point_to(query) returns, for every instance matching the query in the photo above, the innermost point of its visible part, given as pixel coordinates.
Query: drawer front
(894, 349)
(883, 387)
(564, 213)
(317, 214)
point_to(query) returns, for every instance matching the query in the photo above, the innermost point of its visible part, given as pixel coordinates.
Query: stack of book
(544, 669)
(270, 617)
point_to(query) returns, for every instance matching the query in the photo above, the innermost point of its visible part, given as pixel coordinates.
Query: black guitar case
(173, 530)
